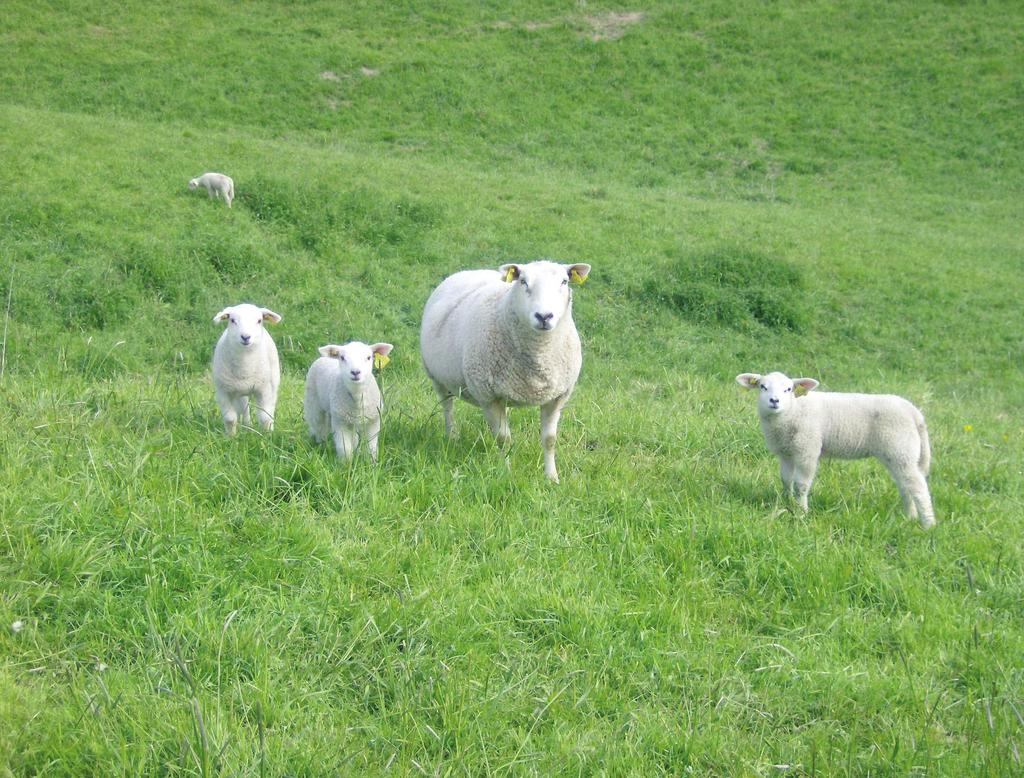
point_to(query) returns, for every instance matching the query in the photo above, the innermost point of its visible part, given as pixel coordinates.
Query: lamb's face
(193, 183)
(356, 359)
(245, 323)
(541, 293)
(776, 391)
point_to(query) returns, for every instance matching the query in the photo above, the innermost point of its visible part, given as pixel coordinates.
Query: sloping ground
(833, 191)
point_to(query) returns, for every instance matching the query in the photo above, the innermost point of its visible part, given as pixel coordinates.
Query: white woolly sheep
(342, 397)
(245, 365)
(217, 185)
(800, 428)
(505, 337)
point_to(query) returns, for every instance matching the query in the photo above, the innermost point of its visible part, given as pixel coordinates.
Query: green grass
(827, 189)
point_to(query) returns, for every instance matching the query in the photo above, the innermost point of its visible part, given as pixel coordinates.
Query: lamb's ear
(329, 351)
(578, 273)
(802, 386)
(748, 380)
(269, 315)
(222, 315)
(509, 272)
(380, 354)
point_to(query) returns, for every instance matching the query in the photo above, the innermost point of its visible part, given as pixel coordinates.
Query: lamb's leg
(497, 419)
(786, 474)
(549, 416)
(228, 412)
(802, 478)
(913, 486)
(345, 441)
(265, 406)
(372, 434)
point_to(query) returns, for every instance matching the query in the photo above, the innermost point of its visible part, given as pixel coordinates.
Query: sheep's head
(541, 291)
(776, 391)
(193, 183)
(245, 322)
(357, 359)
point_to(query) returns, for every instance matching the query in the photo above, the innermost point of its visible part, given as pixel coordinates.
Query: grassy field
(829, 189)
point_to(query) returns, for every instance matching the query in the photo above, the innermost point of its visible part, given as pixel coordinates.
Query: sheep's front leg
(229, 411)
(549, 416)
(345, 442)
(372, 434)
(802, 478)
(266, 403)
(497, 419)
(786, 474)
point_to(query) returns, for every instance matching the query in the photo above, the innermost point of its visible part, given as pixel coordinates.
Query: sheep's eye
(368, 358)
(523, 282)
(341, 357)
(565, 282)
(790, 389)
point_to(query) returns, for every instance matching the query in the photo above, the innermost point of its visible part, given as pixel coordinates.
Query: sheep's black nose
(356, 373)
(544, 318)
(246, 339)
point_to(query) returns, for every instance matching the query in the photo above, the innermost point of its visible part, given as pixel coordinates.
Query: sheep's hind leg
(913, 486)
(447, 406)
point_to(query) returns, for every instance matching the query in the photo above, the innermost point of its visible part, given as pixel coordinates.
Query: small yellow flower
(968, 427)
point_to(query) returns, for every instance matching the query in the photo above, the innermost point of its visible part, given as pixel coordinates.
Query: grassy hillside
(827, 189)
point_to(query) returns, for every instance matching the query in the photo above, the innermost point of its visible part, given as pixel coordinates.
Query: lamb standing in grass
(217, 185)
(342, 397)
(245, 365)
(505, 337)
(800, 428)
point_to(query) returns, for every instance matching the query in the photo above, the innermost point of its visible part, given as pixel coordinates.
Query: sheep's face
(541, 293)
(193, 183)
(245, 323)
(357, 359)
(776, 391)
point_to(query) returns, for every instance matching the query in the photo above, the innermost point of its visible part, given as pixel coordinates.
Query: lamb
(505, 337)
(217, 185)
(245, 364)
(342, 397)
(800, 428)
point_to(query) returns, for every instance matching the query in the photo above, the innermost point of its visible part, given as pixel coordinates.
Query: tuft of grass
(734, 287)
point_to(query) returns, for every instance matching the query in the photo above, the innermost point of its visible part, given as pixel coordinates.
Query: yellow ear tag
(799, 390)
(576, 278)
(752, 382)
(510, 275)
(380, 360)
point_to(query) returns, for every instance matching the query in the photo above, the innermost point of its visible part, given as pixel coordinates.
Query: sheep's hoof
(927, 523)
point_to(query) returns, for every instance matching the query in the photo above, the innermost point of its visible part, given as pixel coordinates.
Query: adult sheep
(505, 337)
(801, 426)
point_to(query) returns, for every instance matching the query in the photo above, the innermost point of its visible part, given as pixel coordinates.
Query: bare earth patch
(329, 75)
(369, 72)
(612, 25)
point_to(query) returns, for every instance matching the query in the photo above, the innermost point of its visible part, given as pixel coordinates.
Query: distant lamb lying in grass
(800, 428)
(342, 398)
(245, 364)
(217, 185)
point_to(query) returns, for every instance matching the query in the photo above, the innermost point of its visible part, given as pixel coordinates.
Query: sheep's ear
(510, 272)
(578, 273)
(380, 354)
(329, 351)
(802, 386)
(222, 315)
(748, 380)
(269, 315)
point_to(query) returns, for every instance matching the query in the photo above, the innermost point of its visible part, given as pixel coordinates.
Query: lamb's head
(776, 391)
(541, 297)
(245, 323)
(193, 183)
(358, 359)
